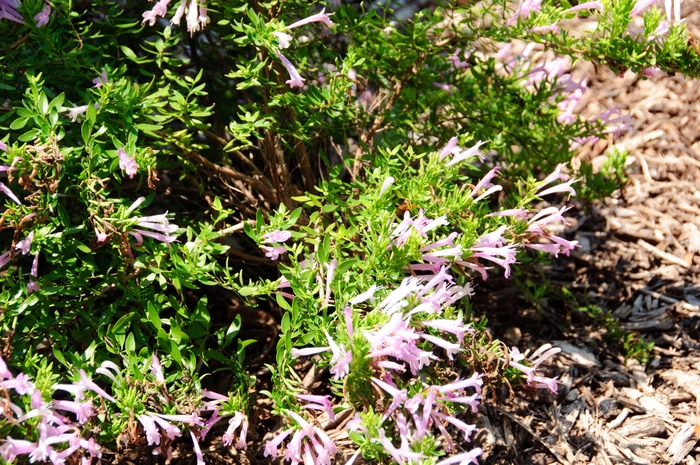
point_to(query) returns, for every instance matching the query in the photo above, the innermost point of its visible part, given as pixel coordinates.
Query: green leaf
(29, 136)
(128, 52)
(43, 104)
(153, 315)
(232, 330)
(130, 345)
(19, 123)
(58, 101)
(175, 352)
(286, 323)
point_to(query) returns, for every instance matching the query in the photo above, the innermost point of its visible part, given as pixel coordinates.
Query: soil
(635, 278)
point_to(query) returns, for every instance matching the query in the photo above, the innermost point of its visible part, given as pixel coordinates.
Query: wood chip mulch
(639, 265)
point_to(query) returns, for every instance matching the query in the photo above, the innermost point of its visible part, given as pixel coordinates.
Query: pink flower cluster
(570, 90)
(155, 226)
(535, 360)
(393, 347)
(161, 431)
(24, 246)
(308, 443)
(195, 12)
(412, 332)
(284, 39)
(276, 236)
(54, 428)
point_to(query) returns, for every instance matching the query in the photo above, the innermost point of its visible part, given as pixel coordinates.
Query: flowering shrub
(352, 173)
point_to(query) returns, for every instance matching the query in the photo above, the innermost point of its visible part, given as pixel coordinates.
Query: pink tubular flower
(157, 369)
(318, 403)
(33, 286)
(450, 348)
(192, 419)
(4, 371)
(127, 163)
(197, 450)
(318, 447)
(503, 256)
(78, 389)
(239, 419)
(474, 381)
(459, 64)
(398, 396)
(554, 28)
(468, 153)
(8, 10)
(396, 339)
(564, 187)
(365, 296)
(485, 182)
(544, 217)
(653, 72)
(556, 175)
(519, 212)
(196, 16)
(535, 360)
(661, 30)
(463, 459)
(25, 244)
(456, 327)
(420, 224)
(158, 223)
(614, 121)
(308, 351)
(42, 18)
(595, 5)
(83, 410)
(459, 424)
(9, 193)
(276, 236)
(74, 112)
(159, 9)
(179, 13)
(16, 447)
(526, 7)
(340, 363)
(386, 185)
(171, 431)
(272, 446)
(150, 428)
(401, 454)
(283, 38)
(273, 253)
(322, 17)
(642, 5)
(295, 79)
(450, 148)
(101, 79)
(22, 384)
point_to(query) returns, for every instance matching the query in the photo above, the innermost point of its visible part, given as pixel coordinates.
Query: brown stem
(241, 156)
(230, 172)
(305, 165)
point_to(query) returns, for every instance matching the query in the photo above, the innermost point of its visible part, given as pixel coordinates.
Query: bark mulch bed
(635, 276)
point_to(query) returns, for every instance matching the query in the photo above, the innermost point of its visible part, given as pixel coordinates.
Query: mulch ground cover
(634, 278)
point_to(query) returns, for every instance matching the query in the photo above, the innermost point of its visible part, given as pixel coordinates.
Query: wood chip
(662, 255)
(681, 442)
(643, 425)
